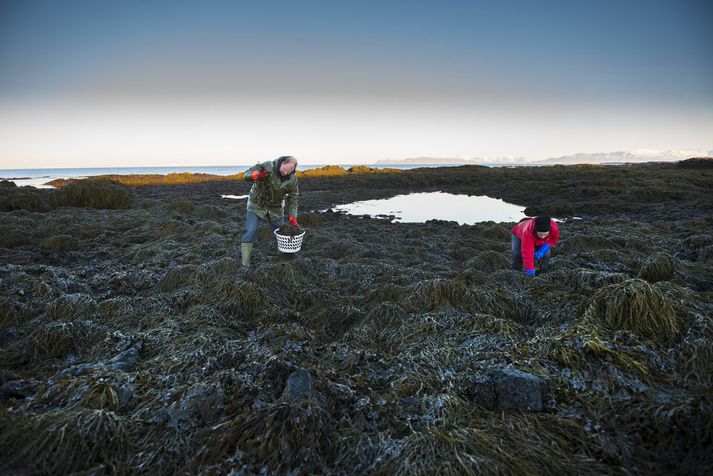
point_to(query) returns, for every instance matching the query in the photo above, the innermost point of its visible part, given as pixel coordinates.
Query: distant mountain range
(627, 156)
(453, 160)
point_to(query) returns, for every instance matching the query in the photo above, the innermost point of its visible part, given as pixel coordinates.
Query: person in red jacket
(532, 239)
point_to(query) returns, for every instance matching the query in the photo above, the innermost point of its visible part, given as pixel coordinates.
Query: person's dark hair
(286, 158)
(542, 224)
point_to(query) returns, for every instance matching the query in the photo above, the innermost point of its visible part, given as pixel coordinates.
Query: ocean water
(39, 177)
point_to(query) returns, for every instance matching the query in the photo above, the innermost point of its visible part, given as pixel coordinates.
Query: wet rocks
(77, 371)
(125, 361)
(199, 405)
(299, 387)
(18, 389)
(300, 392)
(126, 393)
(509, 389)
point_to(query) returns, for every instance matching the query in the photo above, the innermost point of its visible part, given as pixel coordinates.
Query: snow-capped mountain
(625, 156)
(453, 160)
(636, 155)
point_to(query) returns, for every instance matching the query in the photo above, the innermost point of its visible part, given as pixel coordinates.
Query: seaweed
(264, 192)
(13, 238)
(95, 194)
(288, 229)
(427, 295)
(240, 299)
(58, 339)
(636, 306)
(102, 396)
(182, 205)
(282, 437)
(64, 442)
(149, 349)
(518, 446)
(381, 329)
(60, 243)
(658, 267)
(175, 278)
(10, 313)
(332, 322)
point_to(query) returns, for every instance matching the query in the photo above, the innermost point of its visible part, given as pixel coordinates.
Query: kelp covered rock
(636, 306)
(658, 267)
(95, 194)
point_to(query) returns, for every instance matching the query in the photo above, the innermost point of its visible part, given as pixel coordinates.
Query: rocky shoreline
(131, 340)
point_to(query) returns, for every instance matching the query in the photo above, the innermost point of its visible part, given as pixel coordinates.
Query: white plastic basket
(289, 244)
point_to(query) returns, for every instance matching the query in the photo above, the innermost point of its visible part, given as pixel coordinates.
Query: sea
(39, 177)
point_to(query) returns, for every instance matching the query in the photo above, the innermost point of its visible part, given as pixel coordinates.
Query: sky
(91, 83)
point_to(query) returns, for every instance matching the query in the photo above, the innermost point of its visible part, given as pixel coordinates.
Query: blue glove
(530, 272)
(542, 251)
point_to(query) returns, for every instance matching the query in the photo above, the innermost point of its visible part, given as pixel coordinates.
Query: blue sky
(100, 83)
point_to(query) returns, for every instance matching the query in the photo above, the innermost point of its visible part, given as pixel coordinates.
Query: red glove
(259, 175)
(293, 221)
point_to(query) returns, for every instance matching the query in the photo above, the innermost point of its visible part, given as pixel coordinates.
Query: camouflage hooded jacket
(280, 190)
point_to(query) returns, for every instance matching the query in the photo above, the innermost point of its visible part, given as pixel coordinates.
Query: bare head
(288, 165)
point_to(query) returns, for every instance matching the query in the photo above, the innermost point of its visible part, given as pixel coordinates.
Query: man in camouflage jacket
(274, 186)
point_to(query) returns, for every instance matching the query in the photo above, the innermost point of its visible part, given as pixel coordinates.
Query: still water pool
(420, 207)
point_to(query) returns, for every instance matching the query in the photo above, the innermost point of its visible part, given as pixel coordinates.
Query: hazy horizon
(155, 83)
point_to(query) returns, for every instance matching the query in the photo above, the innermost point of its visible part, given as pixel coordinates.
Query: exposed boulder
(125, 361)
(299, 386)
(509, 389)
(19, 389)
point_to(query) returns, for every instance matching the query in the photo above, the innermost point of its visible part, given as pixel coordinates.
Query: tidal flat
(133, 342)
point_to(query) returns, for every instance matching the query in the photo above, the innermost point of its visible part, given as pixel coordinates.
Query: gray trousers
(252, 225)
(516, 244)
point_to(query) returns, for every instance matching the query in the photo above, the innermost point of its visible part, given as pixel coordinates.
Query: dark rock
(199, 405)
(508, 389)
(78, 370)
(519, 390)
(126, 393)
(482, 391)
(410, 404)
(7, 335)
(299, 386)
(19, 389)
(125, 361)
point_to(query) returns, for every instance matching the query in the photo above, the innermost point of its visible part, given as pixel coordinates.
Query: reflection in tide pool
(419, 207)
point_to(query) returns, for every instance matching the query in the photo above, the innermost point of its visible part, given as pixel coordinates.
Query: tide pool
(420, 207)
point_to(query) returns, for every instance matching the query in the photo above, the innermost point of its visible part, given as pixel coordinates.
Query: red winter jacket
(525, 230)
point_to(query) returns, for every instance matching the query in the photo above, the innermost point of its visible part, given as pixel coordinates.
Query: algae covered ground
(132, 341)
